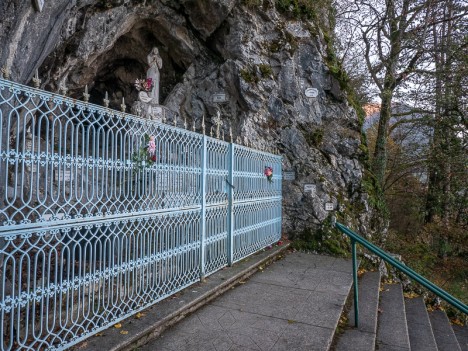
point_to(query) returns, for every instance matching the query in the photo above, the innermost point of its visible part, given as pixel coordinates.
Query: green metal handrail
(355, 238)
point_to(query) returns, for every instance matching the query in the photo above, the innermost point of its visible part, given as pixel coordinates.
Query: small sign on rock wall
(311, 92)
(220, 97)
(289, 175)
(63, 176)
(329, 206)
(310, 188)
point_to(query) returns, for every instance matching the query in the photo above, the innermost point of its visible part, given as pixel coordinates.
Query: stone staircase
(284, 301)
(389, 321)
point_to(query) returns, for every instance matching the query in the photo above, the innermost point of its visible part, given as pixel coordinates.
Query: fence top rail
(403, 268)
(58, 99)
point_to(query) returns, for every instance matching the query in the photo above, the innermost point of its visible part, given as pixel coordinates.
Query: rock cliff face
(260, 59)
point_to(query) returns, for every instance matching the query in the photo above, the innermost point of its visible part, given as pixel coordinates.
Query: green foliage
(327, 240)
(285, 41)
(265, 70)
(305, 9)
(315, 138)
(312, 135)
(292, 41)
(376, 198)
(141, 158)
(249, 75)
(417, 251)
(274, 46)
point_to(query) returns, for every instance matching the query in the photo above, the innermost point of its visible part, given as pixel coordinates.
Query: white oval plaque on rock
(311, 92)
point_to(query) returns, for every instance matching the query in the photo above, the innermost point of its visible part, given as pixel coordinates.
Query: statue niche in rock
(148, 104)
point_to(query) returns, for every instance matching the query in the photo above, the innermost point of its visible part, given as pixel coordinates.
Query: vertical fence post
(230, 219)
(355, 281)
(203, 208)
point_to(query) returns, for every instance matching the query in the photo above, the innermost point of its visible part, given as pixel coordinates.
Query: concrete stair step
(363, 338)
(392, 329)
(443, 332)
(419, 326)
(462, 336)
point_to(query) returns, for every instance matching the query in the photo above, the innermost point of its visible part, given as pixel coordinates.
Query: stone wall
(259, 62)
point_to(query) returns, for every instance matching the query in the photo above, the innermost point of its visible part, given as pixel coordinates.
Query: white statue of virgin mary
(149, 100)
(155, 63)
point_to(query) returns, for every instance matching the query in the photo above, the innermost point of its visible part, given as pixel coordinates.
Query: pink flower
(151, 146)
(268, 173)
(148, 85)
(144, 84)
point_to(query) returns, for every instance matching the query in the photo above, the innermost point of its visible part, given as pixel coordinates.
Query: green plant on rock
(305, 9)
(316, 137)
(286, 41)
(265, 70)
(326, 239)
(292, 41)
(313, 138)
(274, 46)
(249, 74)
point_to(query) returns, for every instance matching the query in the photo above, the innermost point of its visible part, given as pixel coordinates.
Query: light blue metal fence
(94, 226)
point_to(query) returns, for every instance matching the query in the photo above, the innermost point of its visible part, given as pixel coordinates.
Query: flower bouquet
(146, 154)
(144, 84)
(268, 173)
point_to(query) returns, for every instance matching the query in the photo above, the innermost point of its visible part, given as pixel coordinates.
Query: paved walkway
(294, 304)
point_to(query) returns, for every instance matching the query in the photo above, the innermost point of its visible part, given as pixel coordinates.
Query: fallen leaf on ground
(118, 325)
(139, 315)
(124, 332)
(290, 321)
(456, 321)
(410, 295)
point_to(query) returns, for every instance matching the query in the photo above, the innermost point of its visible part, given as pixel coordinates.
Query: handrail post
(355, 284)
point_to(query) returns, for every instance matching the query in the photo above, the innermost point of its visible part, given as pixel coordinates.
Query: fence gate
(95, 225)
